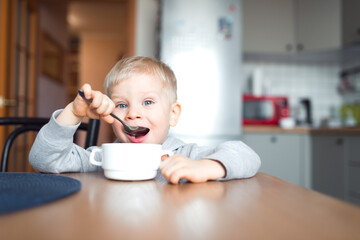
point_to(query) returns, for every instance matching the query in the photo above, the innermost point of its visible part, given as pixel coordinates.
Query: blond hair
(128, 67)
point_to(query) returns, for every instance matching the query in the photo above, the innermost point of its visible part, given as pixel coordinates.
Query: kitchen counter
(301, 130)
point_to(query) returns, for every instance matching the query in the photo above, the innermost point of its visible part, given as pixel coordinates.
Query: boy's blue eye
(122, 105)
(148, 102)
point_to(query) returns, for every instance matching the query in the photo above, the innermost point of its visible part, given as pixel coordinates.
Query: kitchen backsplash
(318, 82)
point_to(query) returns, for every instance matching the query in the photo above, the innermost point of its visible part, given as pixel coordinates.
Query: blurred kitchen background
(293, 70)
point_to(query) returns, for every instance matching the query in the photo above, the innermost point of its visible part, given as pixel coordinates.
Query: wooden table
(262, 207)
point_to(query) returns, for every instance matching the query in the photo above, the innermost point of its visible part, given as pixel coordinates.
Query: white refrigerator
(201, 41)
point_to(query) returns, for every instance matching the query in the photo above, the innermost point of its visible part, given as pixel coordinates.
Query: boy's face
(142, 100)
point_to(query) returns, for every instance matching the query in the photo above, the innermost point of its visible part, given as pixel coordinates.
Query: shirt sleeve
(53, 150)
(238, 159)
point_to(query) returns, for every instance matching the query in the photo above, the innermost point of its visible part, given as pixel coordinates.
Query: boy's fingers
(87, 90)
(174, 178)
(97, 99)
(180, 174)
(164, 157)
(109, 119)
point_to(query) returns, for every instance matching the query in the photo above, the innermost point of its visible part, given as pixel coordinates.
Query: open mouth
(138, 137)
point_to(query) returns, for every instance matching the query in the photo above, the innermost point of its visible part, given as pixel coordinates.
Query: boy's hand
(101, 106)
(177, 166)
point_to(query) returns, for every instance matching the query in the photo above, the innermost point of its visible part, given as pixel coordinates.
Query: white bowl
(287, 123)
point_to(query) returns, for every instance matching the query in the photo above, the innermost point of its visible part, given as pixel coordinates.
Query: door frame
(18, 68)
(4, 60)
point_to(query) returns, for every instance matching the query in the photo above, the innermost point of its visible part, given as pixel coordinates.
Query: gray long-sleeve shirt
(54, 151)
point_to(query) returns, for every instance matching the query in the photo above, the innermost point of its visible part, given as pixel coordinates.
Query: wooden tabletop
(262, 207)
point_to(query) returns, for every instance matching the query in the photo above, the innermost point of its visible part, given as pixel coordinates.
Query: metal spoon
(132, 130)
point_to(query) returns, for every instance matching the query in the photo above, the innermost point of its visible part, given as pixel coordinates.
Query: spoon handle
(114, 116)
(81, 93)
(127, 128)
(89, 101)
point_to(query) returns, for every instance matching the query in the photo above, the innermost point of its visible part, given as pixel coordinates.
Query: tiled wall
(317, 82)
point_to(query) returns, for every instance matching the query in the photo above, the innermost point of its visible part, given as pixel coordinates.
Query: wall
(98, 54)
(52, 20)
(99, 51)
(146, 27)
(317, 81)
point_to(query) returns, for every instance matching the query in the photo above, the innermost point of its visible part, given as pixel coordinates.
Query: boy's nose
(133, 113)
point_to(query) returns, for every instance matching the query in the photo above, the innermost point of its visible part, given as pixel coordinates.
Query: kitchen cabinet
(328, 165)
(336, 166)
(289, 26)
(352, 169)
(317, 24)
(267, 25)
(283, 155)
(350, 21)
(325, 160)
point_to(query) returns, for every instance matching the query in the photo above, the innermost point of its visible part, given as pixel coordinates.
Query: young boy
(142, 92)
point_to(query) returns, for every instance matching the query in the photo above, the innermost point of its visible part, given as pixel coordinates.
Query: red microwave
(264, 110)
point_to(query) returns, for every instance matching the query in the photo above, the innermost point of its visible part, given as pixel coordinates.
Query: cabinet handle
(300, 47)
(339, 141)
(273, 139)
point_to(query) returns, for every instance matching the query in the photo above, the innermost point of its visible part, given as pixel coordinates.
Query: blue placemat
(25, 190)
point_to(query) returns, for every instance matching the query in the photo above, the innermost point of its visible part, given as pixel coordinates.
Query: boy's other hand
(197, 171)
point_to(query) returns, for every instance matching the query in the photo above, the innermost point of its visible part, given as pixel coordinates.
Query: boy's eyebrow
(116, 97)
(151, 93)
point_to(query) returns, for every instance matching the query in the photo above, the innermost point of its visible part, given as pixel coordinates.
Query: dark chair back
(24, 124)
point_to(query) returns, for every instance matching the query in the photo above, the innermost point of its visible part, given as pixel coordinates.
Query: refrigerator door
(201, 42)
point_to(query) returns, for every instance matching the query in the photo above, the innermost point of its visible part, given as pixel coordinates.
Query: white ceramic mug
(129, 161)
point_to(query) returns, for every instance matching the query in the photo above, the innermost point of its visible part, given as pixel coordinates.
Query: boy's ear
(175, 112)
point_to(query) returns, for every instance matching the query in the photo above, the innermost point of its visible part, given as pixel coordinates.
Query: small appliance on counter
(350, 114)
(264, 110)
(304, 115)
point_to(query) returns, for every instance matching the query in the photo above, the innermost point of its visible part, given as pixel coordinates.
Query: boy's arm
(239, 160)
(53, 150)
(67, 117)
(236, 158)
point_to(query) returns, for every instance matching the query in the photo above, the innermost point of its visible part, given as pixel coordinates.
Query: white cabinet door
(282, 155)
(268, 26)
(328, 157)
(288, 26)
(318, 24)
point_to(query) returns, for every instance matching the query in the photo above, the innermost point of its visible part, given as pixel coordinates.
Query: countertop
(301, 130)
